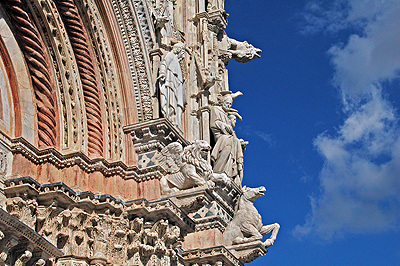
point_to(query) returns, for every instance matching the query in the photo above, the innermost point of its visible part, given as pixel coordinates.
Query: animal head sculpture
(252, 194)
(243, 52)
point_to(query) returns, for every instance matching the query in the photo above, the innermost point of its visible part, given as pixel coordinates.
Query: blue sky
(321, 112)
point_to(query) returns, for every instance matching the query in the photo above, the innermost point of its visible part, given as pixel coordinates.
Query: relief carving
(3, 164)
(187, 167)
(100, 229)
(23, 209)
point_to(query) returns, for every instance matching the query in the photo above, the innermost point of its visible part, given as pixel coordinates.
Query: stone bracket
(154, 135)
(248, 252)
(218, 18)
(215, 254)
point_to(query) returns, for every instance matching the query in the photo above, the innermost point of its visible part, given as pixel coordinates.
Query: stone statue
(227, 154)
(187, 167)
(242, 52)
(172, 85)
(246, 225)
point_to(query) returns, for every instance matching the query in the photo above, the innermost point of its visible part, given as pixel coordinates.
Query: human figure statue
(172, 85)
(233, 116)
(227, 154)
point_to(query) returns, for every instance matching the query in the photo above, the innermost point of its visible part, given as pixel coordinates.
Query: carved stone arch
(138, 57)
(73, 128)
(83, 54)
(10, 111)
(22, 93)
(36, 59)
(108, 78)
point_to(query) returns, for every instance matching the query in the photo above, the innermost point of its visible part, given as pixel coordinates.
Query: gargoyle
(242, 52)
(246, 225)
(187, 167)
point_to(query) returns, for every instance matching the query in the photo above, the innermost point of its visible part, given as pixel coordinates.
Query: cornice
(107, 168)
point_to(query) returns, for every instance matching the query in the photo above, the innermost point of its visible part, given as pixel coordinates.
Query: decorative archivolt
(84, 58)
(138, 59)
(71, 53)
(110, 85)
(69, 87)
(36, 60)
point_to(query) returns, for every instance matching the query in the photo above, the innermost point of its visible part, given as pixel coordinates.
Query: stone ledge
(63, 196)
(154, 135)
(54, 157)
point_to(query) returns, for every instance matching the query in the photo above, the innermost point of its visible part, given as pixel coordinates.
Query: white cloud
(266, 137)
(248, 131)
(360, 179)
(372, 57)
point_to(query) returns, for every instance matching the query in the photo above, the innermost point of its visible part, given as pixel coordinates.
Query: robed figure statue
(227, 154)
(172, 85)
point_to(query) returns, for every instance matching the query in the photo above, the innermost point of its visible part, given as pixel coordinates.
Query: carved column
(2, 195)
(205, 116)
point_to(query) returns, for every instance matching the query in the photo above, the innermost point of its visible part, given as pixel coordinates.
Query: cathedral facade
(117, 141)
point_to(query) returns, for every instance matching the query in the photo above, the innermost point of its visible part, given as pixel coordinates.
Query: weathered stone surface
(117, 140)
(246, 225)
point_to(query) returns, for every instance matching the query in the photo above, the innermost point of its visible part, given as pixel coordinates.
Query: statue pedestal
(248, 252)
(150, 137)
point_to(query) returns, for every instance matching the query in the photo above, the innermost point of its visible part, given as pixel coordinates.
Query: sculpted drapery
(227, 154)
(172, 85)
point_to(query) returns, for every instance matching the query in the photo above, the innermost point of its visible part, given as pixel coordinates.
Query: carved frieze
(53, 156)
(100, 226)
